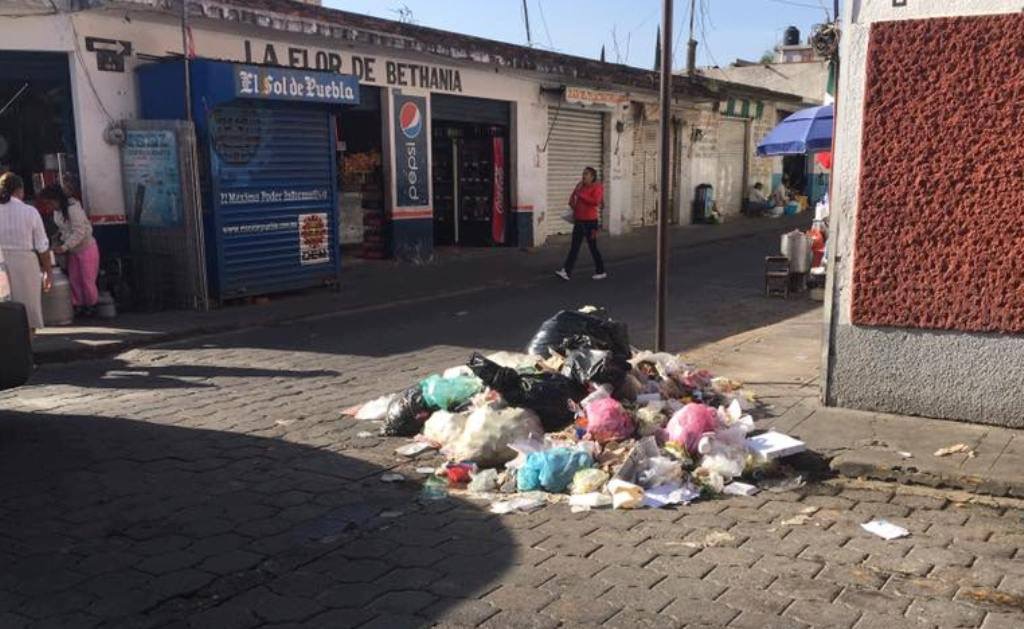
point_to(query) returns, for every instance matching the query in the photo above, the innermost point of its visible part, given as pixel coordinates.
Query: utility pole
(526, 19)
(666, 175)
(185, 53)
(691, 46)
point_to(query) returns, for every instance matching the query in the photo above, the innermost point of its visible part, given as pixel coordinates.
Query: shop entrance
(470, 172)
(361, 176)
(794, 170)
(37, 131)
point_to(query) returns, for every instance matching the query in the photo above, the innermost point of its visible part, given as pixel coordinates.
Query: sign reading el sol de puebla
(411, 158)
(295, 85)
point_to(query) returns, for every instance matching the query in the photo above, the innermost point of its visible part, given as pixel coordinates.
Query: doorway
(37, 131)
(471, 185)
(361, 207)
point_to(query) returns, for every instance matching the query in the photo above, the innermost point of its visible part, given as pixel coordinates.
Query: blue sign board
(301, 86)
(152, 178)
(412, 159)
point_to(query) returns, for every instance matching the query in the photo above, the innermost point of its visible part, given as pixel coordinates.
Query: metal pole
(691, 46)
(185, 55)
(526, 18)
(666, 174)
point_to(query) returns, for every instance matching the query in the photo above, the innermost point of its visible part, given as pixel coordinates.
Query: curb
(69, 355)
(857, 465)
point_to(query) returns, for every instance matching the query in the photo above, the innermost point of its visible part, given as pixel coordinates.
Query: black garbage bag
(547, 394)
(406, 413)
(604, 333)
(586, 363)
(599, 366)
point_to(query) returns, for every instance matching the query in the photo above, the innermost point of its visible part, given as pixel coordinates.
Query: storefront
(267, 143)
(470, 171)
(37, 131)
(361, 200)
(575, 140)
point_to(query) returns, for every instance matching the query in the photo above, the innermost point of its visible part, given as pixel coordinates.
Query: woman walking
(26, 249)
(586, 208)
(77, 242)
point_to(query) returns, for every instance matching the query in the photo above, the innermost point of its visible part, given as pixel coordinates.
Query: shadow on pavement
(109, 522)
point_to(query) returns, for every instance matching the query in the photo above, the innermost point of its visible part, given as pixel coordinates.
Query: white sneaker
(562, 274)
(600, 276)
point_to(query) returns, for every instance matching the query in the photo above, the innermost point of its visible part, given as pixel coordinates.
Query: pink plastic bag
(608, 421)
(691, 422)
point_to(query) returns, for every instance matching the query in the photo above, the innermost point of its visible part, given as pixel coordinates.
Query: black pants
(581, 230)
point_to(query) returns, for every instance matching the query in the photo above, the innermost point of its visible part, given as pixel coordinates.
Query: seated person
(757, 200)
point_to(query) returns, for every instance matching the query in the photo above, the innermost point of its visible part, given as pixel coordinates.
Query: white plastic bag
(487, 433)
(376, 409)
(625, 495)
(443, 427)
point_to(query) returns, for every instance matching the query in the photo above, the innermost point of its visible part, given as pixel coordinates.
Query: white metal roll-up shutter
(646, 172)
(732, 136)
(576, 141)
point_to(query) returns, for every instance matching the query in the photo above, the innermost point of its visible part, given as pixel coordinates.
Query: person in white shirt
(83, 255)
(758, 199)
(26, 249)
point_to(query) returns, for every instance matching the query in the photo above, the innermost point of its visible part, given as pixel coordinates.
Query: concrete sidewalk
(367, 285)
(781, 363)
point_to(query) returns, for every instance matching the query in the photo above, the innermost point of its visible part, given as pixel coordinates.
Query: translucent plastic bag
(588, 481)
(487, 433)
(608, 421)
(552, 470)
(443, 427)
(691, 423)
(449, 393)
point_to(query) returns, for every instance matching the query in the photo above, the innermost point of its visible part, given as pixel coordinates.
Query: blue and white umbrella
(806, 131)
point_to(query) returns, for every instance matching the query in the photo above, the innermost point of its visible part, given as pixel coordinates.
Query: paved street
(212, 483)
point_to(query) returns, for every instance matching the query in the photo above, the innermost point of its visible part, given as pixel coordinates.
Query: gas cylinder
(57, 309)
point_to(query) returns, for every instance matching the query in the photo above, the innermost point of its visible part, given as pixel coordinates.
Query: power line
(705, 18)
(679, 35)
(794, 3)
(544, 21)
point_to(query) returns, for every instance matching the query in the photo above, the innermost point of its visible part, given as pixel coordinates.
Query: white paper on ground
(391, 478)
(885, 529)
(670, 494)
(517, 504)
(414, 448)
(586, 502)
(426, 470)
(740, 489)
(775, 445)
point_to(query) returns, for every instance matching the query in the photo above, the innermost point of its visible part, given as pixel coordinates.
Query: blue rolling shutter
(274, 176)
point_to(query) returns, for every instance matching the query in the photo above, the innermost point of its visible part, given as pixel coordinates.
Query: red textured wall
(940, 222)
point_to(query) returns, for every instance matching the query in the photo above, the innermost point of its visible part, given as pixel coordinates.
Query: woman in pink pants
(79, 245)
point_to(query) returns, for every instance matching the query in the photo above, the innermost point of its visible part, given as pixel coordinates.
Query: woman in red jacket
(586, 213)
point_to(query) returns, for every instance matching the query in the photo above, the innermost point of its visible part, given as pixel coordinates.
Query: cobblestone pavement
(212, 483)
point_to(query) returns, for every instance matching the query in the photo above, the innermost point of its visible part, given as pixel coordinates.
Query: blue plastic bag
(552, 470)
(447, 394)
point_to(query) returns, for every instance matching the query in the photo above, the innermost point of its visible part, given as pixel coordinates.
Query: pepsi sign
(412, 161)
(410, 120)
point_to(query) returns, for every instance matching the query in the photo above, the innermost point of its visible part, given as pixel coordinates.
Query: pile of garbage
(582, 413)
